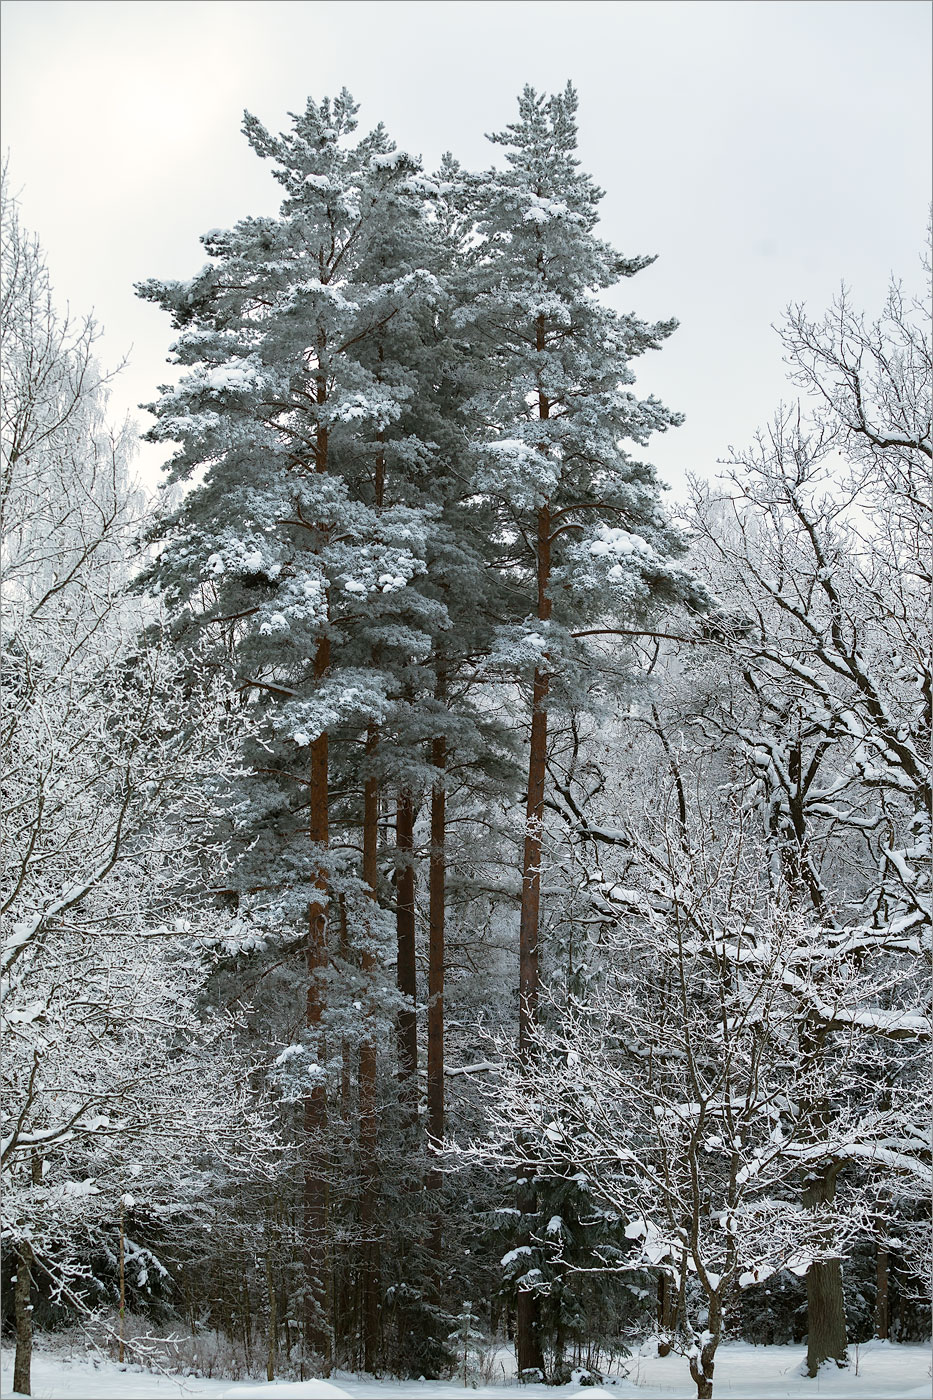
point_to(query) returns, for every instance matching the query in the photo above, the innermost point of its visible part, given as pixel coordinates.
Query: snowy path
(885, 1372)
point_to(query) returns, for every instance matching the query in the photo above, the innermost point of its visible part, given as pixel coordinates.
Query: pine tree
(583, 541)
(287, 553)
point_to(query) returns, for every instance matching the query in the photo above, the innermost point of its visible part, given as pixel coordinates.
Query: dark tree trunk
(530, 917)
(369, 1126)
(826, 1318)
(882, 1305)
(316, 1183)
(703, 1364)
(22, 1304)
(318, 1320)
(665, 1312)
(121, 1346)
(405, 935)
(436, 955)
(273, 1337)
(529, 1352)
(528, 1342)
(346, 1048)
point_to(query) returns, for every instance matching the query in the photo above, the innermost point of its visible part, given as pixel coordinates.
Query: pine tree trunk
(316, 1184)
(826, 1318)
(346, 1049)
(436, 956)
(22, 1303)
(318, 1328)
(530, 917)
(405, 935)
(369, 1126)
(529, 1350)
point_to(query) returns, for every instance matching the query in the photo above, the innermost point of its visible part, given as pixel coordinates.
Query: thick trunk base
(826, 1318)
(22, 1301)
(529, 1353)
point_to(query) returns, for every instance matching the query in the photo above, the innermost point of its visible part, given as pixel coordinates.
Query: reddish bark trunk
(405, 936)
(528, 1312)
(316, 1184)
(368, 1084)
(346, 1050)
(436, 955)
(530, 917)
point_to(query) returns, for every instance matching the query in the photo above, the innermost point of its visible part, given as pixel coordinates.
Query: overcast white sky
(765, 151)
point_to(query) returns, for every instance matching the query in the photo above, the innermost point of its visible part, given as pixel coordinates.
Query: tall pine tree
(583, 541)
(287, 552)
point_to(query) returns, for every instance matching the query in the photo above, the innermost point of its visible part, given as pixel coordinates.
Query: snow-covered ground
(879, 1371)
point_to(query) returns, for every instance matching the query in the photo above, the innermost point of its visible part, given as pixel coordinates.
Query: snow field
(878, 1371)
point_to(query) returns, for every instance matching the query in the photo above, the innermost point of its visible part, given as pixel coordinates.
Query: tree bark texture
(316, 1183)
(665, 1311)
(405, 937)
(882, 1304)
(529, 1351)
(530, 917)
(22, 1303)
(703, 1363)
(436, 954)
(826, 1318)
(122, 1279)
(273, 1337)
(369, 1125)
(528, 1344)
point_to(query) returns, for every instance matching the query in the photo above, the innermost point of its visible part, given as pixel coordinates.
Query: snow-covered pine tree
(583, 541)
(439, 729)
(304, 409)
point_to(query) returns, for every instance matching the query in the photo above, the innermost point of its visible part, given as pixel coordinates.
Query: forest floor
(878, 1371)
